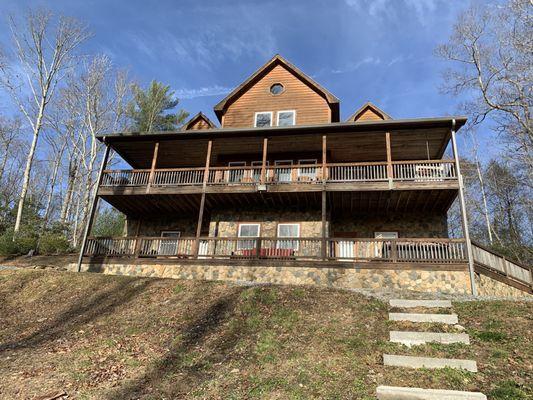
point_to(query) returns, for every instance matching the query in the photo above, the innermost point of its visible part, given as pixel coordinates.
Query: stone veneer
(487, 286)
(452, 282)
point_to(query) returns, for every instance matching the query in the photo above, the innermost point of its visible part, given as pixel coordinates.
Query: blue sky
(361, 50)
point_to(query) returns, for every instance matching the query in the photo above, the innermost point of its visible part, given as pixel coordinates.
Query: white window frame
(169, 243)
(263, 112)
(240, 243)
(386, 235)
(312, 161)
(297, 243)
(165, 232)
(286, 111)
(289, 164)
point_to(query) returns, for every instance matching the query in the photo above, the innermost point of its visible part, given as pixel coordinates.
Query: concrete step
(403, 393)
(428, 362)
(400, 303)
(416, 338)
(411, 317)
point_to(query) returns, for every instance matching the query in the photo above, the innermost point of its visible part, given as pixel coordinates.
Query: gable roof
(262, 71)
(200, 116)
(369, 106)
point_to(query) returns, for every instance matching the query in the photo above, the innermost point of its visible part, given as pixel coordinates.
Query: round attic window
(276, 88)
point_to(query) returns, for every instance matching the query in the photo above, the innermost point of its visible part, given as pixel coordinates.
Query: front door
(283, 174)
(169, 247)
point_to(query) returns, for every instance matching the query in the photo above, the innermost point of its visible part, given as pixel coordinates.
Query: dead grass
(108, 337)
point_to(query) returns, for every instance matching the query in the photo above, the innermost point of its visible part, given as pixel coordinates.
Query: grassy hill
(108, 337)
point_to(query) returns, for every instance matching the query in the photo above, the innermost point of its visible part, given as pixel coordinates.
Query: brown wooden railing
(420, 171)
(415, 171)
(337, 249)
(489, 259)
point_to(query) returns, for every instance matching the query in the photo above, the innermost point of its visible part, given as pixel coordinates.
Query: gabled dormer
(368, 112)
(199, 122)
(277, 94)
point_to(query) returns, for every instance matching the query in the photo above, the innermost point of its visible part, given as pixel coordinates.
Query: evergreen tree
(149, 107)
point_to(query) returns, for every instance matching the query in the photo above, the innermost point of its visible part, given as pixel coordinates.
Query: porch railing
(337, 249)
(489, 259)
(415, 171)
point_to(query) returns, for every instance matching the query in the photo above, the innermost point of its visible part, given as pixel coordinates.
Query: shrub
(53, 243)
(23, 243)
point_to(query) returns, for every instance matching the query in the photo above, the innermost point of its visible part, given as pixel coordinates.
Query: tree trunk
(29, 162)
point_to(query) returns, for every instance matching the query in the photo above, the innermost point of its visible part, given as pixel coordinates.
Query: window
(276, 88)
(307, 170)
(286, 118)
(263, 119)
(248, 231)
(288, 231)
(386, 235)
(283, 170)
(169, 247)
(256, 172)
(236, 175)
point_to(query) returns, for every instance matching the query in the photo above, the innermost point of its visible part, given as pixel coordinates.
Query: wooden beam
(202, 199)
(152, 169)
(263, 161)
(94, 206)
(464, 218)
(389, 160)
(323, 247)
(324, 159)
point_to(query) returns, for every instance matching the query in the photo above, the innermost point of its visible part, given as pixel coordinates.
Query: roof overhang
(361, 139)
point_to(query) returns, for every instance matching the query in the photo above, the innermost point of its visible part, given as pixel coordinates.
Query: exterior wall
(369, 115)
(199, 124)
(411, 226)
(452, 282)
(226, 224)
(487, 286)
(153, 227)
(311, 108)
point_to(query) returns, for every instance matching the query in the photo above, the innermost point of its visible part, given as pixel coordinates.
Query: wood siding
(311, 108)
(369, 115)
(199, 124)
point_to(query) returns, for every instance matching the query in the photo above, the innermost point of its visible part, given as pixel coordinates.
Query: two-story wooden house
(284, 191)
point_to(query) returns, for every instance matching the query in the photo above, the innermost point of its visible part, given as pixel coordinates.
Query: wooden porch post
(94, 204)
(152, 168)
(389, 159)
(263, 162)
(464, 218)
(324, 193)
(324, 155)
(202, 199)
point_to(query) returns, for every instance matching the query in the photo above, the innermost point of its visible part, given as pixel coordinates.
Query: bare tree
(491, 49)
(44, 51)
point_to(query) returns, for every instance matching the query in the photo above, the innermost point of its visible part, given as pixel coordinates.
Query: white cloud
(202, 92)
(389, 8)
(354, 66)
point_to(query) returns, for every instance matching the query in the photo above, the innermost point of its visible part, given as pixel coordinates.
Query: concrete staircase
(416, 338)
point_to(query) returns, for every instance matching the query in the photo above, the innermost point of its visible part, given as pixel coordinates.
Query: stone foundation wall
(487, 286)
(452, 282)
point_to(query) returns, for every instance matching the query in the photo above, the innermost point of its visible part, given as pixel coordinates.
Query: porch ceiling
(349, 145)
(338, 203)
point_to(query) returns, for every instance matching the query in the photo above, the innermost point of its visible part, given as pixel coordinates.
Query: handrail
(432, 250)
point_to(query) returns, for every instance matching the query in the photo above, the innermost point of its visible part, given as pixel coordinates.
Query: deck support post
(324, 242)
(389, 160)
(152, 168)
(263, 161)
(94, 204)
(464, 218)
(202, 200)
(324, 196)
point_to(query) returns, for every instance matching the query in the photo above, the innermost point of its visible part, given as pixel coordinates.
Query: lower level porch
(400, 250)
